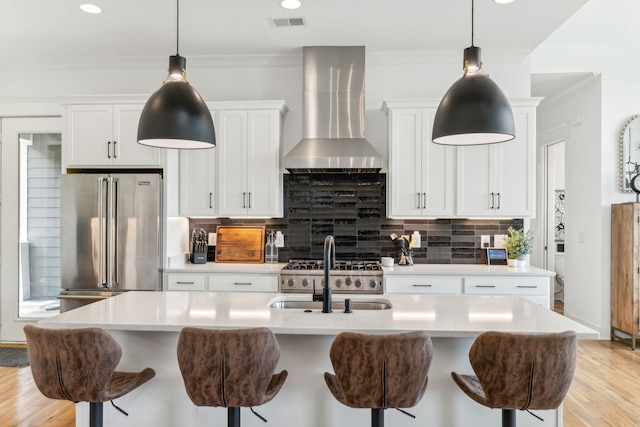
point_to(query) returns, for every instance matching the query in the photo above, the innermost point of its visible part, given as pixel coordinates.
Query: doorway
(555, 219)
(30, 222)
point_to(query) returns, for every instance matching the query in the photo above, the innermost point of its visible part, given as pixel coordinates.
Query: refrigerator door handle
(112, 225)
(101, 232)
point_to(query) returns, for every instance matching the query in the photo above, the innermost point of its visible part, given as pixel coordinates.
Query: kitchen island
(147, 325)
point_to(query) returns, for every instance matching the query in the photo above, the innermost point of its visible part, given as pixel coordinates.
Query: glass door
(30, 222)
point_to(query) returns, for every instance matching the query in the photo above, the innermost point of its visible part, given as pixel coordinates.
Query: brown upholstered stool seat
(230, 368)
(79, 365)
(520, 371)
(379, 371)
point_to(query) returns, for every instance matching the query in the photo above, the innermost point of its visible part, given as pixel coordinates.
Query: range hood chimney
(333, 126)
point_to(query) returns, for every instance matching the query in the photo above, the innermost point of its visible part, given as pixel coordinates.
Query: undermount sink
(337, 305)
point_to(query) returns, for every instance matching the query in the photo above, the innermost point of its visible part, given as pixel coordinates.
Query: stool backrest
(72, 364)
(524, 371)
(382, 371)
(230, 368)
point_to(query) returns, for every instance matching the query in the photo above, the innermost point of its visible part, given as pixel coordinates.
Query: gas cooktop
(346, 276)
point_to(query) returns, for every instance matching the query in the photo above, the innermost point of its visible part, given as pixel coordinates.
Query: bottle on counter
(417, 239)
(270, 249)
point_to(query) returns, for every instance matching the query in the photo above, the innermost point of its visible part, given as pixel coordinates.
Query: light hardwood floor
(605, 392)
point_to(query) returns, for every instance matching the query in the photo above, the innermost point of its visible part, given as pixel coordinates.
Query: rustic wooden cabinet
(625, 272)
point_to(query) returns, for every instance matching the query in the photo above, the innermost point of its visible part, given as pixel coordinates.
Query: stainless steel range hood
(334, 125)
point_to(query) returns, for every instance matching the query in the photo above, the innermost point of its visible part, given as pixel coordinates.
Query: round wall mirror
(629, 152)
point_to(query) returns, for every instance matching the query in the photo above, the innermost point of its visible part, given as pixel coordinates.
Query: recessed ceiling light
(290, 4)
(503, 1)
(90, 8)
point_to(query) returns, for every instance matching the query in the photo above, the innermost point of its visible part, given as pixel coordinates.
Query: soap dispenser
(416, 239)
(270, 249)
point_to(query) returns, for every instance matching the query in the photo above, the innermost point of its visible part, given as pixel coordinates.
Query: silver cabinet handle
(108, 149)
(242, 283)
(114, 149)
(498, 194)
(185, 283)
(493, 200)
(210, 200)
(528, 286)
(485, 286)
(418, 194)
(424, 200)
(249, 200)
(244, 200)
(422, 286)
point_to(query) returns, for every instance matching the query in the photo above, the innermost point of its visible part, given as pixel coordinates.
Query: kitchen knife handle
(108, 149)
(210, 201)
(244, 200)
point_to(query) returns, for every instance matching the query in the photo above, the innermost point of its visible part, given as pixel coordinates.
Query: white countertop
(466, 269)
(458, 316)
(228, 267)
(431, 269)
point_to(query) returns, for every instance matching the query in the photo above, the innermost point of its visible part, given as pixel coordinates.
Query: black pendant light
(176, 116)
(474, 110)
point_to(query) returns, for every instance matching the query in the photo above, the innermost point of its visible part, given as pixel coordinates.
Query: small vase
(512, 262)
(523, 260)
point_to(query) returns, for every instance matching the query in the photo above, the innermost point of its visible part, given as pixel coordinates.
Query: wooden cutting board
(240, 244)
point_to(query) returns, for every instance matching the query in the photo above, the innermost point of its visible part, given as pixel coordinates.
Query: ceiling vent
(288, 22)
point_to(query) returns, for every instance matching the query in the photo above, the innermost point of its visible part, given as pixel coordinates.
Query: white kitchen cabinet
(105, 135)
(423, 284)
(243, 282)
(421, 178)
(499, 179)
(198, 182)
(535, 289)
(249, 179)
(186, 282)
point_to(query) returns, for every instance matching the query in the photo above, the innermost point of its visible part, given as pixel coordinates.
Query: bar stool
(380, 371)
(79, 365)
(230, 368)
(520, 371)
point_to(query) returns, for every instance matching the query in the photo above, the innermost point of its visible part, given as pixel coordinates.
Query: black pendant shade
(474, 110)
(176, 116)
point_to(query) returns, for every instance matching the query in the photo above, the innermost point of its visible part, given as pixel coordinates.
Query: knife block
(198, 258)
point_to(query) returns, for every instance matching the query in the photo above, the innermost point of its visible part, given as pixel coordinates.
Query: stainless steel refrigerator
(111, 236)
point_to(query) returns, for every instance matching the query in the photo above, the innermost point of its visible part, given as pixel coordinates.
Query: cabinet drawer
(243, 283)
(423, 284)
(492, 285)
(185, 282)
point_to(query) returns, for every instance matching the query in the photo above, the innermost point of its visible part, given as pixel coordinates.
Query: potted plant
(518, 243)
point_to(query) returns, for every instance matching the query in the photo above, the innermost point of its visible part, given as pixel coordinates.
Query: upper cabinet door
(127, 151)
(249, 175)
(421, 175)
(499, 179)
(197, 182)
(232, 146)
(105, 135)
(88, 135)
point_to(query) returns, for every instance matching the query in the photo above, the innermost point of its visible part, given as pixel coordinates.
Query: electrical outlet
(498, 240)
(485, 241)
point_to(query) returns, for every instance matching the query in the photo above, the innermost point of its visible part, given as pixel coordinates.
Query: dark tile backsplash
(352, 208)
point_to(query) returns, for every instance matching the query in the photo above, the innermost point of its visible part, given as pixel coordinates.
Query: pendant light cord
(178, 28)
(472, 6)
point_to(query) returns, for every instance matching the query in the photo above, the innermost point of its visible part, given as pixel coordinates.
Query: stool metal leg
(377, 417)
(508, 418)
(95, 414)
(233, 417)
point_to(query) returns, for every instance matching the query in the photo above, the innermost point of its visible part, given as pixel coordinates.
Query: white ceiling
(47, 32)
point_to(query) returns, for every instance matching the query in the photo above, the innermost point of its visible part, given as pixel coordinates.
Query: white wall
(599, 38)
(575, 118)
